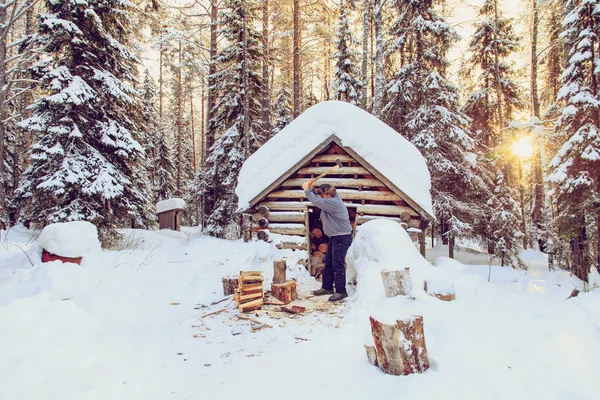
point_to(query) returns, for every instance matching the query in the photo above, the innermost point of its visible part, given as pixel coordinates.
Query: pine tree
(86, 160)
(164, 167)
(504, 227)
(424, 107)
(236, 117)
(492, 44)
(345, 86)
(283, 110)
(576, 166)
(151, 127)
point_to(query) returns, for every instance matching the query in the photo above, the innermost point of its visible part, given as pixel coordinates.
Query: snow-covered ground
(128, 324)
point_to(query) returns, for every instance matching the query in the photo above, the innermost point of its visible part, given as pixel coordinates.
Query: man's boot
(338, 296)
(322, 292)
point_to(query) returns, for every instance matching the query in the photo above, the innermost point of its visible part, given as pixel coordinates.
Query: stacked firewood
(249, 294)
(317, 253)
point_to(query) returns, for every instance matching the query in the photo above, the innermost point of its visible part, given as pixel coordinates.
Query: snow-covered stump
(440, 289)
(396, 282)
(279, 269)
(400, 348)
(285, 292)
(230, 285)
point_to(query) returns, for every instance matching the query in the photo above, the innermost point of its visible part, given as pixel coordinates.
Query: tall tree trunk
(245, 74)
(522, 198)
(536, 211)
(192, 133)
(3, 216)
(365, 53)
(179, 117)
(202, 125)
(378, 60)
(160, 86)
(212, 70)
(498, 84)
(296, 62)
(266, 104)
(547, 210)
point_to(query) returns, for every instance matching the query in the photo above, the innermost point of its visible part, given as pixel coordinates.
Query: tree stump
(279, 268)
(443, 291)
(284, 292)
(229, 285)
(371, 354)
(400, 348)
(396, 282)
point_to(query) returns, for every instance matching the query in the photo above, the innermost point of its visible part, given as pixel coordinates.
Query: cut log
(285, 292)
(371, 354)
(323, 248)
(249, 294)
(229, 285)
(291, 229)
(47, 257)
(361, 219)
(319, 256)
(291, 246)
(289, 216)
(263, 210)
(396, 282)
(337, 182)
(262, 235)
(251, 305)
(279, 269)
(341, 171)
(400, 348)
(300, 205)
(263, 222)
(317, 233)
(385, 210)
(293, 309)
(344, 194)
(331, 158)
(405, 216)
(441, 290)
(314, 246)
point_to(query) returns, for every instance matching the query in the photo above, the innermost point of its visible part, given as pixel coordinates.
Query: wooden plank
(337, 182)
(291, 246)
(330, 158)
(361, 219)
(345, 194)
(341, 171)
(385, 210)
(284, 230)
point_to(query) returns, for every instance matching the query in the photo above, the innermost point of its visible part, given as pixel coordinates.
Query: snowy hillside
(133, 324)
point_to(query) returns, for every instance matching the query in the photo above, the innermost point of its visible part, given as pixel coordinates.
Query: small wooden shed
(382, 176)
(169, 213)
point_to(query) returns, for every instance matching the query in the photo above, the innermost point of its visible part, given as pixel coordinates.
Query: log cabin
(382, 176)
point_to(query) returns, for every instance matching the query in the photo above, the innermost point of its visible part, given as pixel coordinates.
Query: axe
(338, 165)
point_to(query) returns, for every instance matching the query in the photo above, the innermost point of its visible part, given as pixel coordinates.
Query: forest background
(108, 106)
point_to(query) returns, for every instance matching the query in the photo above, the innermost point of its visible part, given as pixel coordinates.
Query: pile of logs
(249, 294)
(317, 253)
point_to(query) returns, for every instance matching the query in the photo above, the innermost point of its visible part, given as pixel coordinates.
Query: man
(336, 225)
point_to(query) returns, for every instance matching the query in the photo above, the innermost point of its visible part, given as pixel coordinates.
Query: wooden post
(246, 227)
(396, 282)
(422, 243)
(279, 268)
(285, 292)
(400, 348)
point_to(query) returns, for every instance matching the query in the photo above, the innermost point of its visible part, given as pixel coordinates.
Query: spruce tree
(236, 117)
(151, 128)
(424, 107)
(504, 227)
(86, 159)
(283, 110)
(492, 44)
(576, 166)
(346, 85)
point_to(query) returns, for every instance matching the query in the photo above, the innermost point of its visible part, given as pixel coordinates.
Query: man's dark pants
(337, 247)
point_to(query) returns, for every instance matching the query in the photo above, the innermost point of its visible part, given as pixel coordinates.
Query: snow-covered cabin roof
(374, 141)
(170, 204)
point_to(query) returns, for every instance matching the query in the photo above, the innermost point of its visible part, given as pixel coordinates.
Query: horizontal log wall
(284, 210)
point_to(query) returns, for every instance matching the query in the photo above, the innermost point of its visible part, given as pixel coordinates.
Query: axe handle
(330, 170)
